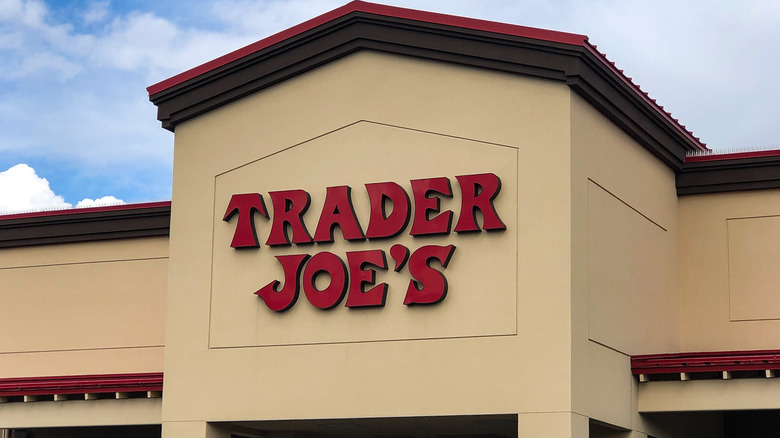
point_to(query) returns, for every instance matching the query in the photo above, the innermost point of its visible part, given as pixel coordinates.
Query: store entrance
(148, 431)
(751, 424)
(716, 424)
(483, 426)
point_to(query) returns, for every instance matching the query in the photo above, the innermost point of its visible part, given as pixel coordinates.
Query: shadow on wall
(150, 431)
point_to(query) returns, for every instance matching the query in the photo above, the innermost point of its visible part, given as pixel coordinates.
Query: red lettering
(281, 300)
(478, 192)
(381, 224)
(360, 277)
(289, 207)
(332, 295)
(400, 254)
(424, 206)
(338, 210)
(429, 286)
(245, 205)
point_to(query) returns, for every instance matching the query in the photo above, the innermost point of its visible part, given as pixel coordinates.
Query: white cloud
(156, 47)
(21, 189)
(72, 83)
(142, 42)
(43, 61)
(134, 41)
(265, 18)
(32, 13)
(96, 12)
(99, 202)
(11, 40)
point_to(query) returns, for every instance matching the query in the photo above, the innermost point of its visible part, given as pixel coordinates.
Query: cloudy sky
(76, 126)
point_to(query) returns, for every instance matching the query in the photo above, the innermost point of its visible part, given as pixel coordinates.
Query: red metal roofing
(85, 384)
(645, 96)
(68, 211)
(732, 156)
(758, 360)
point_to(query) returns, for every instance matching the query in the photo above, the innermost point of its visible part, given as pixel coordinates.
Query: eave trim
(754, 172)
(579, 65)
(85, 225)
(81, 384)
(376, 9)
(706, 362)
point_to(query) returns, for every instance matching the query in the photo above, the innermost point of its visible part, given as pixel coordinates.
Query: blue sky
(73, 76)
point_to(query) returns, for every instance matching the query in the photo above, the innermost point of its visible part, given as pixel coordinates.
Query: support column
(192, 429)
(552, 424)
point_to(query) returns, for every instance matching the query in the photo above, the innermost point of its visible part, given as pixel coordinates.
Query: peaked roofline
(376, 9)
(358, 6)
(507, 48)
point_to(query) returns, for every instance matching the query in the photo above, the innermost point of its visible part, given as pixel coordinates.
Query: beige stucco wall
(624, 286)
(83, 308)
(653, 273)
(728, 256)
(74, 413)
(240, 319)
(597, 263)
(368, 118)
(600, 261)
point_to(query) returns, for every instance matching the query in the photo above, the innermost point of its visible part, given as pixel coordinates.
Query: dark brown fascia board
(617, 101)
(326, 43)
(578, 67)
(729, 176)
(85, 227)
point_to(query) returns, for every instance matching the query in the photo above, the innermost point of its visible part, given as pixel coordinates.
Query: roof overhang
(541, 53)
(558, 56)
(149, 219)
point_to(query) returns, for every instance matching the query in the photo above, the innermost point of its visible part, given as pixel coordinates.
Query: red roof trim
(86, 384)
(120, 207)
(377, 9)
(646, 97)
(706, 362)
(428, 17)
(734, 156)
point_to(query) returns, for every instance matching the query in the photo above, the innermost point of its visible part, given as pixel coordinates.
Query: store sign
(356, 279)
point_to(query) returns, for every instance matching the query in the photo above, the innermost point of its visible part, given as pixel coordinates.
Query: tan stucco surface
(349, 157)
(728, 271)
(754, 280)
(600, 261)
(81, 413)
(83, 308)
(710, 395)
(371, 118)
(624, 293)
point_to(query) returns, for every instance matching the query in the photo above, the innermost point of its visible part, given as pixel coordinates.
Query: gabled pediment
(359, 26)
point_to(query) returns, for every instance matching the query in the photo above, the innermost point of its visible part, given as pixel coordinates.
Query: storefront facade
(387, 222)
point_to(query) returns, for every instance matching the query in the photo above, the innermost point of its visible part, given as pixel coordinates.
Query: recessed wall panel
(481, 275)
(628, 293)
(754, 262)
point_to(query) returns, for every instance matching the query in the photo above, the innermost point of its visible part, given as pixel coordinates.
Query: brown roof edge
(645, 96)
(723, 173)
(85, 224)
(376, 9)
(365, 26)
